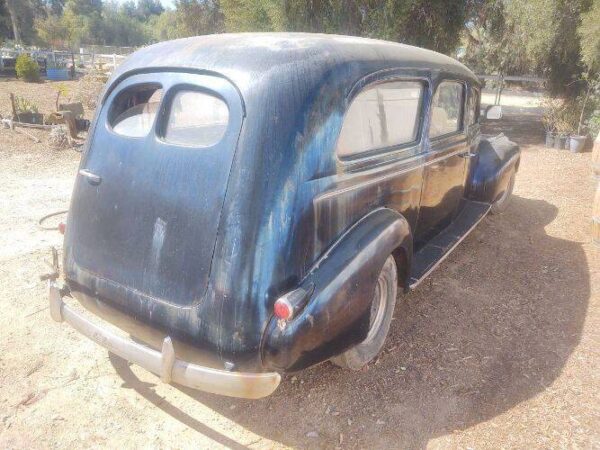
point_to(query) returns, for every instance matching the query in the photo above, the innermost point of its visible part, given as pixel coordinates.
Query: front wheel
(501, 204)
(382, 311)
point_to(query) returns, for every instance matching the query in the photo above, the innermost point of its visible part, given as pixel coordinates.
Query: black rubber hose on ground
(46, 217)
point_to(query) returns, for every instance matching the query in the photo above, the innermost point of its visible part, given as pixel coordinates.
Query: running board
(436, 250)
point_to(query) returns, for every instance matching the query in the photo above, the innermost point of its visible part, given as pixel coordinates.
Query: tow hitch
(54, 274)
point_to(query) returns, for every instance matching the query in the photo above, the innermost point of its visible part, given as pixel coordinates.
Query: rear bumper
(164, 363)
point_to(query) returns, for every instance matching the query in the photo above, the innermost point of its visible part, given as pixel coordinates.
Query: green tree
(589, 33)
(546, 29)
(83, 7)
(535, 37)
(121, 29)
(56, 6)
(196, 17)
(434, 24)
(164, 27)
(27, 69)
(83, 21)
(22, 14)
(334, 16)
(489, 43)
(189, 18)
(254, 15)
(5, 23)
(13, 11)
(53, 31)
(147, 8)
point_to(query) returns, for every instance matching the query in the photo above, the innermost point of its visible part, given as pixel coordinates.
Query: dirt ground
(497, 349)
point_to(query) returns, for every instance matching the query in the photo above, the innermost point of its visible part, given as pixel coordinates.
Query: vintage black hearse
(251, 204)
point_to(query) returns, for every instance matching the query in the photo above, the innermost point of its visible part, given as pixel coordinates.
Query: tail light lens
(62, 227)
(288, 305)
(283, 310)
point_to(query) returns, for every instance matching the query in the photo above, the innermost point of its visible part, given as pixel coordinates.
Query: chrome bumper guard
(164, 363)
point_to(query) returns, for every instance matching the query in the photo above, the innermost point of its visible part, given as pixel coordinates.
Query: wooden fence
(84, 61)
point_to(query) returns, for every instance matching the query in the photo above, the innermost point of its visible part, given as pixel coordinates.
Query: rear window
(384, 115)
(134, 110)
(446, 109)
(196, 119)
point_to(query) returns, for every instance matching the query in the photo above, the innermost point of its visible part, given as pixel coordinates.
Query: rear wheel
(501, 204)
(382, 311)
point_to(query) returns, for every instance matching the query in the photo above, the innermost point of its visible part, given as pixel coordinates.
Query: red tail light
(62, 227)
(282, 309)
(288, 305)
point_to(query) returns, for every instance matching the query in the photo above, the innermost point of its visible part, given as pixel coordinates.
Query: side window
(133, 111)
(446, 109)
(384, 115)
(196, 119)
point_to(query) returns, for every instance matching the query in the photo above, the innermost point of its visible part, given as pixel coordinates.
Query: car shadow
(493, 326)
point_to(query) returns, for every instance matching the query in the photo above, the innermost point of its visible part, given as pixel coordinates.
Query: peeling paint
(204, 241)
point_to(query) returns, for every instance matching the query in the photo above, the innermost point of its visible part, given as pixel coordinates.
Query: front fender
(337, 315)
(497, 160)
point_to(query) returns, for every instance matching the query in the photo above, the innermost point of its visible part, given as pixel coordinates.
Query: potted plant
(26, 111)
(577, 141)
(551, 107)
(563, 127)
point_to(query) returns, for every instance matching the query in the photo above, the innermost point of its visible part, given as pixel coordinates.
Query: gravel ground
(497, 349)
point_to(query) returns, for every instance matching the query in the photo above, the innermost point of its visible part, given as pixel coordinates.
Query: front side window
(384, 115)
(196, 119)
(134, 110)
(446, 109)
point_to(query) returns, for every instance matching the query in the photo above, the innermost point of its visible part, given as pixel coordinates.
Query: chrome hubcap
(377, 308)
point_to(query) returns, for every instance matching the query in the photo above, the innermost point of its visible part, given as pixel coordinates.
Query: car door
(379, 154)
(146, 206)
(445, 171)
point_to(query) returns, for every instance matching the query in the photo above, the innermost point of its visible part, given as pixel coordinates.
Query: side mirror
(494, 112)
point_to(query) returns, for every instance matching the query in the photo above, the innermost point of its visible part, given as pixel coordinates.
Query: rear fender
(497, 160)
(337, 315)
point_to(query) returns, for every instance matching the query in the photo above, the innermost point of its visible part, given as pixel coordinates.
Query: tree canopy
(589, 34)
(532, 37)
(557, 39)
(434, 24)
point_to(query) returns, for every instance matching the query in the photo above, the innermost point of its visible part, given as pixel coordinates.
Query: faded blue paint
(286, 197)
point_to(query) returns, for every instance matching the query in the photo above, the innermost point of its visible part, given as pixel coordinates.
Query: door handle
(468, 155)
(92, 178)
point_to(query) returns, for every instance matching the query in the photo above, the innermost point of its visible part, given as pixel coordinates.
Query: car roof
(245, 58)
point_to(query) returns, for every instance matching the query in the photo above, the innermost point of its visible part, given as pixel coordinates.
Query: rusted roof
(245, 58)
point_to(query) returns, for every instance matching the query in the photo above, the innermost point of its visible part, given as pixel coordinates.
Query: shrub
(593, 124)
(561, 115)
(27, 68)
(88, 89)
(552, 108)
(22, 105)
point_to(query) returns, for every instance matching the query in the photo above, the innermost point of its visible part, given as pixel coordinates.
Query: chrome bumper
(165, 363)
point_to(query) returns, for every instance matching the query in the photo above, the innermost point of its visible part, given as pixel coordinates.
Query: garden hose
(46, 217)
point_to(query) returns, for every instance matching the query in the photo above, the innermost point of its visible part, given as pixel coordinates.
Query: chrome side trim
(391, 174)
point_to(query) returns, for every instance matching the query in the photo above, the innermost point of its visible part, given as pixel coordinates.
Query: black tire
(501, 204)
(382, 311)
